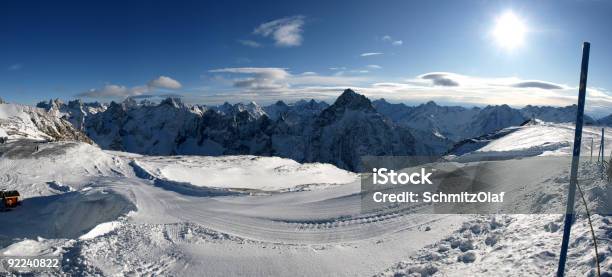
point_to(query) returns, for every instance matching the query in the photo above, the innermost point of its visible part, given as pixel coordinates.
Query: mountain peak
(172, 101)
(381, 101)
(352, 100)
(280, 103)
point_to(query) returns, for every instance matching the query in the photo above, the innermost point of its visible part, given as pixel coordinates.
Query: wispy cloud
(249, 43)
(274, 79)
(440, 79)
(393, 42)
(368, 54)
(260, 78)
(374, 66)
(15, 67)
(120, 91)
(286, 32)
(537, 84)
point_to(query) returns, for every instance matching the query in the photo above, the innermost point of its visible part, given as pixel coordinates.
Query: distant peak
(353, 100)
(348, 93)
(172, 101)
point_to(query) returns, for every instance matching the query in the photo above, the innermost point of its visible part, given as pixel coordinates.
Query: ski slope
(115, 214)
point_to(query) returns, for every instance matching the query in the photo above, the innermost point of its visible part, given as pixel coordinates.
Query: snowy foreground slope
(534, 139)
(116, 214)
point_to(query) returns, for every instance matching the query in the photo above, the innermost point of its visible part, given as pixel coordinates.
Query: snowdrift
(245, 172)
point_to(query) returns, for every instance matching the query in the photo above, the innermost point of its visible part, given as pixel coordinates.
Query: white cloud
(164, 82)
(250, 43)
(367, 54)
(286, 32)
(119, 91)
(109, 91)
(398, 42)
(374, 66)
(386, 38)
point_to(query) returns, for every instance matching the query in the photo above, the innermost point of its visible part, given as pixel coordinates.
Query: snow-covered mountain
(252, 109)
(297, 111)
(554, 114)
(20, 121)
(606, 121)
(75, 111)
(352, 128)
(452, 122)
(306, 131)
(459, 123)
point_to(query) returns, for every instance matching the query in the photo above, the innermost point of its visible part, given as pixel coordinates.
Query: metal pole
(569, 213)
(592, 140)
(603, 145)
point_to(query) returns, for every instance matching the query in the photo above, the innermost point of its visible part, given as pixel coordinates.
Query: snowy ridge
(534, 139)
(19, 121)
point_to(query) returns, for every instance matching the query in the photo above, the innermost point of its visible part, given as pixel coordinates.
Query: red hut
(10, 199)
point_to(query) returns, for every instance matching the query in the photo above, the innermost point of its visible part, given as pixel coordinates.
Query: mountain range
(306, 131)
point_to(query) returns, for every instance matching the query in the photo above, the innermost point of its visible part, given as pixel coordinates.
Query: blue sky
(211, 52)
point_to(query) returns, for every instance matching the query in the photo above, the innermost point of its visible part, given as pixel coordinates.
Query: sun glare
(509, 31)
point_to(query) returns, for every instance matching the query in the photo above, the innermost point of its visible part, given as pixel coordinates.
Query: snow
(34, 247)
(111, 213)
(244, 172)
(100, 230)
(540, 139)
(16, 121)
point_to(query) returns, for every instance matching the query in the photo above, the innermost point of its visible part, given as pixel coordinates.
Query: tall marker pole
(603, 146)
(569, 213)
(592, 140)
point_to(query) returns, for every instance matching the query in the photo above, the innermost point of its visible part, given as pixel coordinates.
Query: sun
(509, 31)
